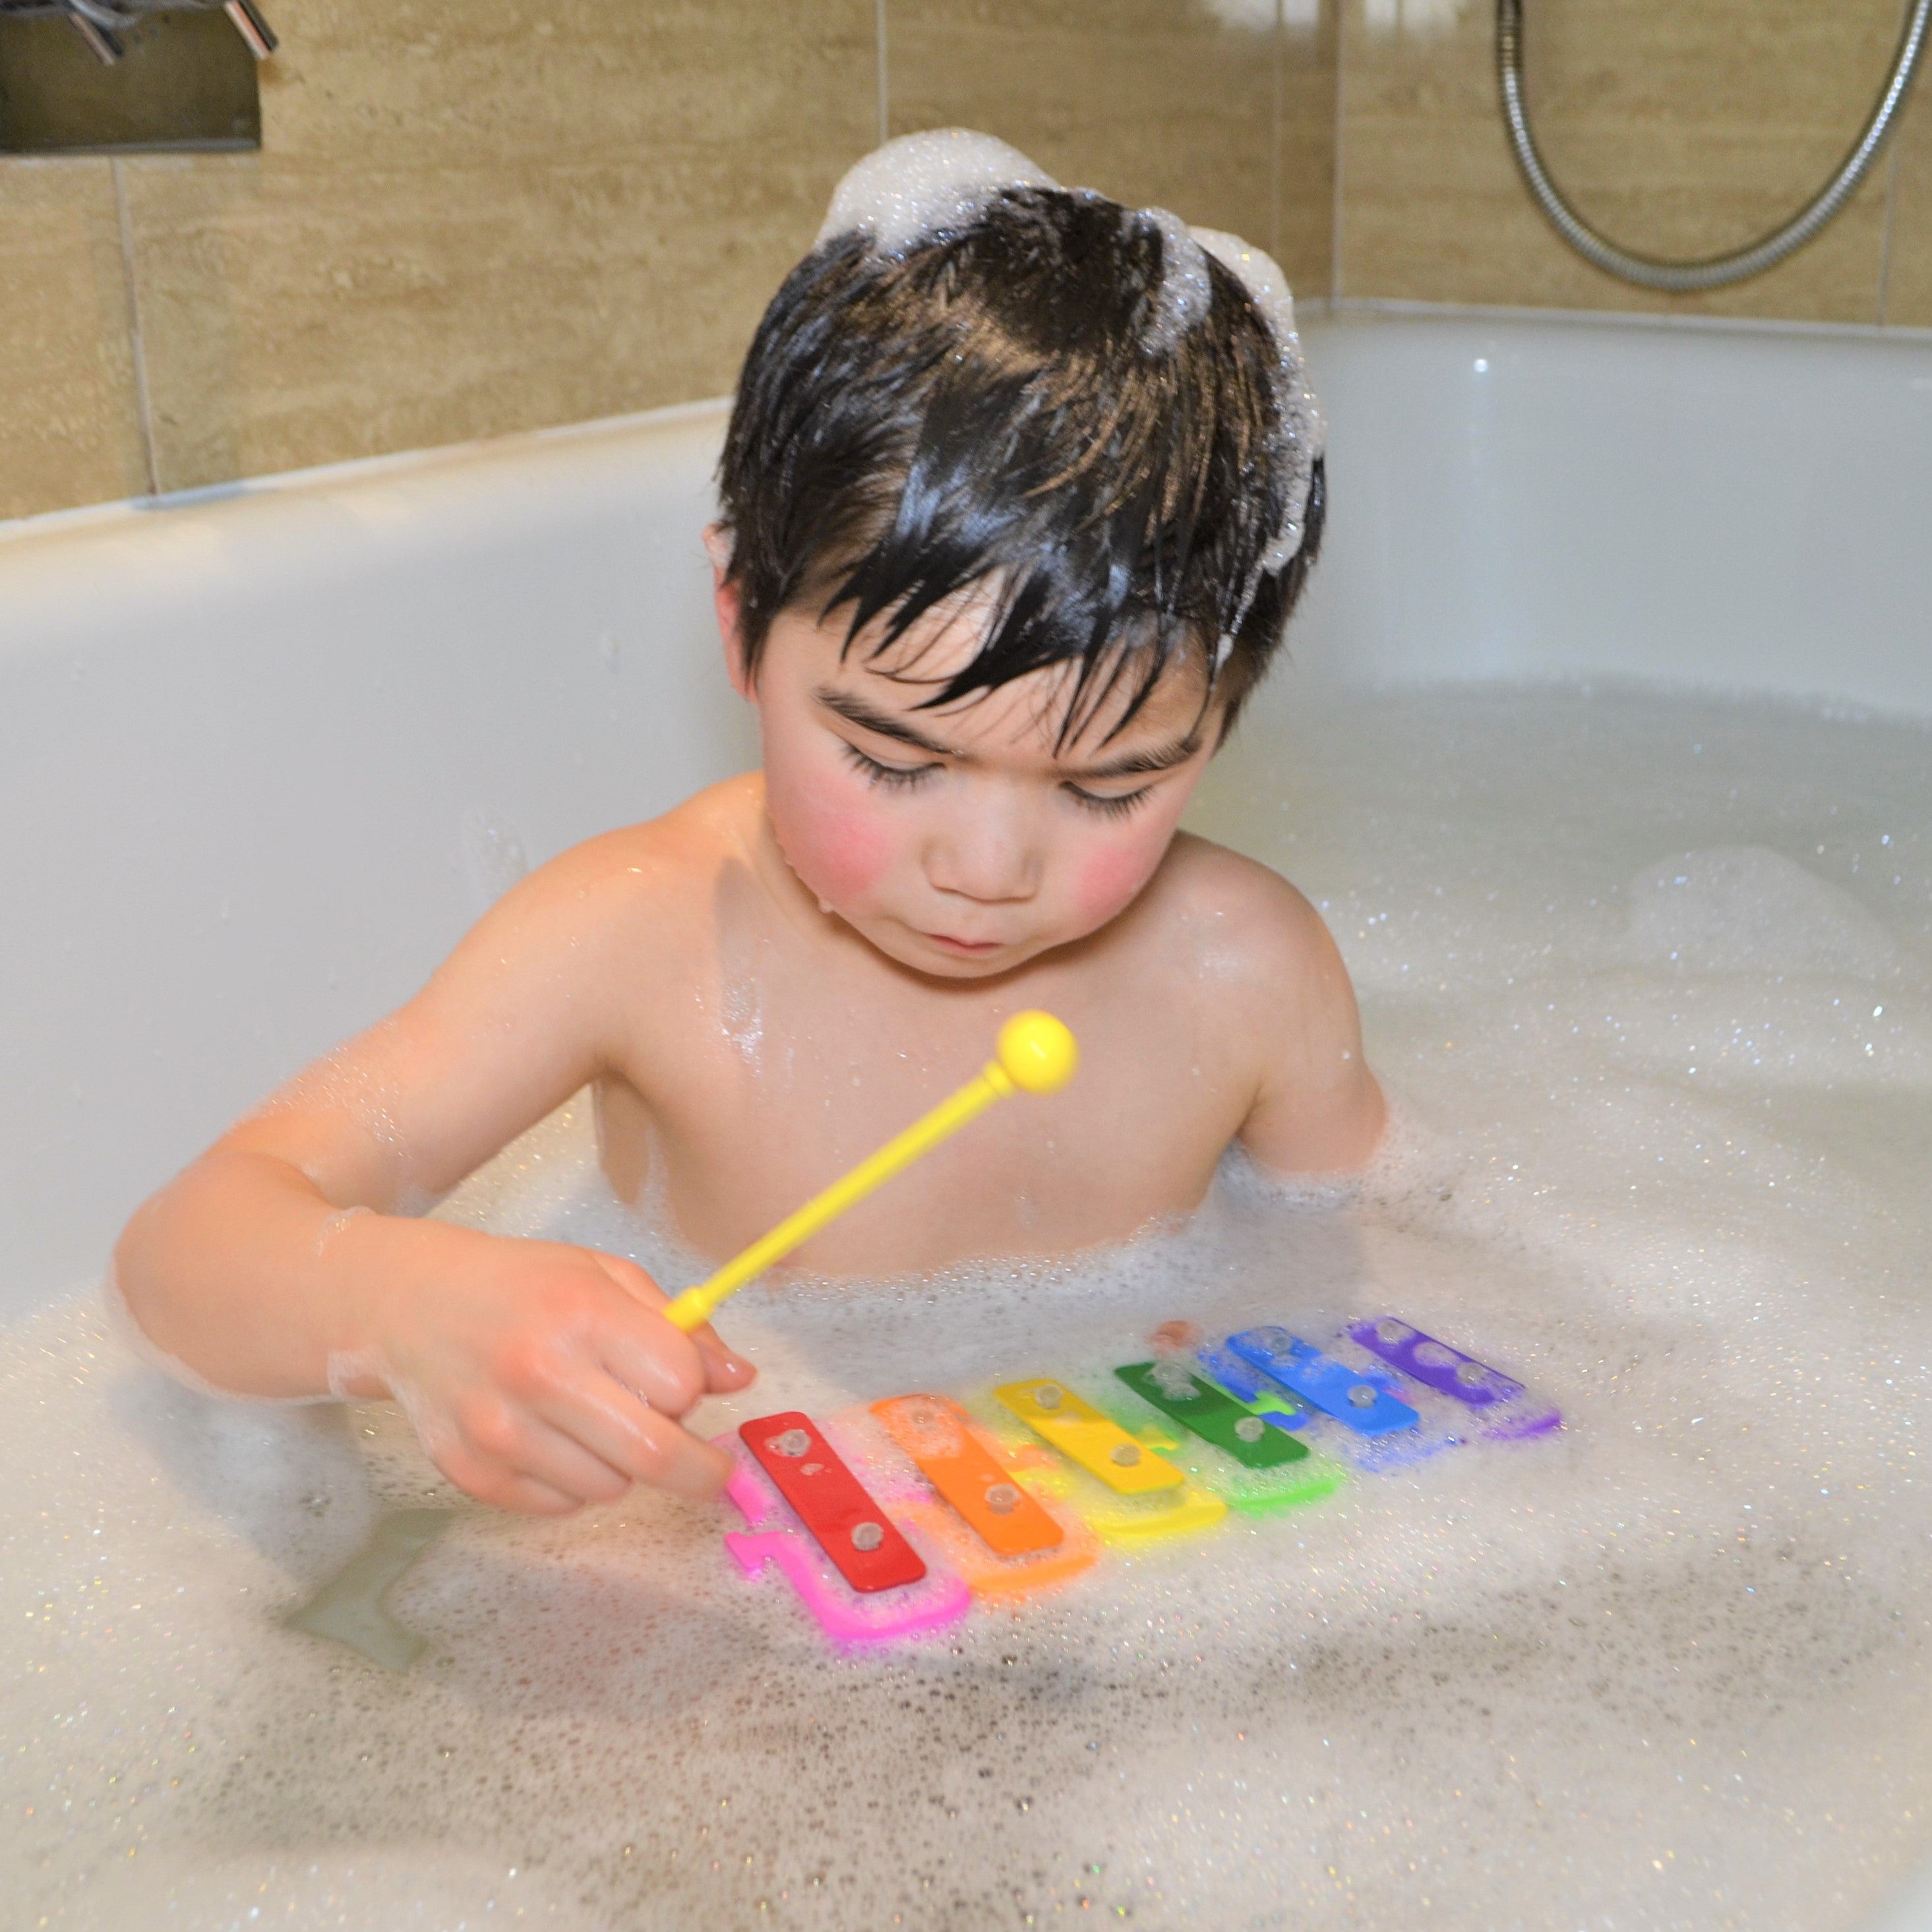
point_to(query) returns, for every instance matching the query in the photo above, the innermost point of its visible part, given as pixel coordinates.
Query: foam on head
(919, 186)
(1305, 434)
(922, 185)
(1184, 292)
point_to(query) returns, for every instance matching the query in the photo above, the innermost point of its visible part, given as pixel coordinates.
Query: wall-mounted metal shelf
(181, 78)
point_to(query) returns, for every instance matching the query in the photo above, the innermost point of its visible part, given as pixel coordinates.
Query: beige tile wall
(1208, 109)
(1676, 130)
(475, 216)
(69, 420)
(1908, 279)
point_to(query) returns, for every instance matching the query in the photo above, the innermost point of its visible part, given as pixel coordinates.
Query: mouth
(966, 948)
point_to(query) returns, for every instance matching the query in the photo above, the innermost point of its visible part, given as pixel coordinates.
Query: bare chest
(782, 1085)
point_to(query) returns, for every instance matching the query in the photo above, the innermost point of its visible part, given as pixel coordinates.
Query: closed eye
(888, 778)
(1119, 806)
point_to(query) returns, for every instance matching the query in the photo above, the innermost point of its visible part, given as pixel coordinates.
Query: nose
(983, 850)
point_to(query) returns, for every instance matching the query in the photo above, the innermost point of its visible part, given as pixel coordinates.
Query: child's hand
(541, 1377)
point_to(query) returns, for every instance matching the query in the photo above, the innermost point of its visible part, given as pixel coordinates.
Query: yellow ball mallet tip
(1037, 1053)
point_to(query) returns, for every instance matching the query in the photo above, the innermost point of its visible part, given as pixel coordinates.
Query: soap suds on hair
(923, 185)
(919, 187)
(1304, 433)
(1181, 297)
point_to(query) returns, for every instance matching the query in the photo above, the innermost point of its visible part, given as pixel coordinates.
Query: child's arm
(1318, 1109)
(280, 1263)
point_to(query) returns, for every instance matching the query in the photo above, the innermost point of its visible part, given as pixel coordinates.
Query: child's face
(960, 842)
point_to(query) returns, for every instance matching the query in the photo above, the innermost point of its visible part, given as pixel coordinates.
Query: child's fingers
(528, 1497)
(491, 1481)
(659, 1364)
(494, 1432)
(610, 1422)
(556, 1458)
(668, 1368)
(630, 1278)
(725, 1370)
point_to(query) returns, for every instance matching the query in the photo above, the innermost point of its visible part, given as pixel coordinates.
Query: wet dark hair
(1000, 406)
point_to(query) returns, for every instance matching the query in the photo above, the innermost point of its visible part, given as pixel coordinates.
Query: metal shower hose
(1714, 271)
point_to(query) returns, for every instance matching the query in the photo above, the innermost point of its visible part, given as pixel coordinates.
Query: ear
(726, 602)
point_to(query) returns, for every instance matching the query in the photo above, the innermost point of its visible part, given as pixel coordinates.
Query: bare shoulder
(1249, 926)
(625, 905)
(660, 868)
(1282, 1002)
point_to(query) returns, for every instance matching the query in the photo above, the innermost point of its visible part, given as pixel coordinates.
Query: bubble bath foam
(1652, 980)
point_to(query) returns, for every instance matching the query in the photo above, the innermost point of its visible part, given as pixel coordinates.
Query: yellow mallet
(1034, 1052)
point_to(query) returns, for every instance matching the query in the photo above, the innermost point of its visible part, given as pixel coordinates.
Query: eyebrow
(1136, 764)
(857, 711)
(1130, 764)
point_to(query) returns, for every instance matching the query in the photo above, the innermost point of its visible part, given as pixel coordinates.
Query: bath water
(1652, 978)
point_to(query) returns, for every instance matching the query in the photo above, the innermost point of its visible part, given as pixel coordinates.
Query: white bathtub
(264, 752)
(261, 749)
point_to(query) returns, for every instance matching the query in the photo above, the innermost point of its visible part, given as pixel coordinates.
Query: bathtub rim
(1312, 310)
(399, 464)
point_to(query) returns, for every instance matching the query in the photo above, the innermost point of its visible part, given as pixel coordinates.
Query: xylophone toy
(890, 1520)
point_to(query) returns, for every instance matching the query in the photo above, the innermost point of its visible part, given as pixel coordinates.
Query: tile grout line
(1335, 162)
(1275, 140)
(143, 403)
(885, 74)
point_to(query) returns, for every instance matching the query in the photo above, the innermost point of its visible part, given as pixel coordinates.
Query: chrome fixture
(1714, 272)
(100, 23)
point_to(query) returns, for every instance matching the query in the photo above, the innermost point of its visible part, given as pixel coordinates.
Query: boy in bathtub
(1020, 488)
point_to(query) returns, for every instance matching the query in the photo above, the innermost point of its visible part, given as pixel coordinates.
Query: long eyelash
(1128, 802)
(892, 777)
